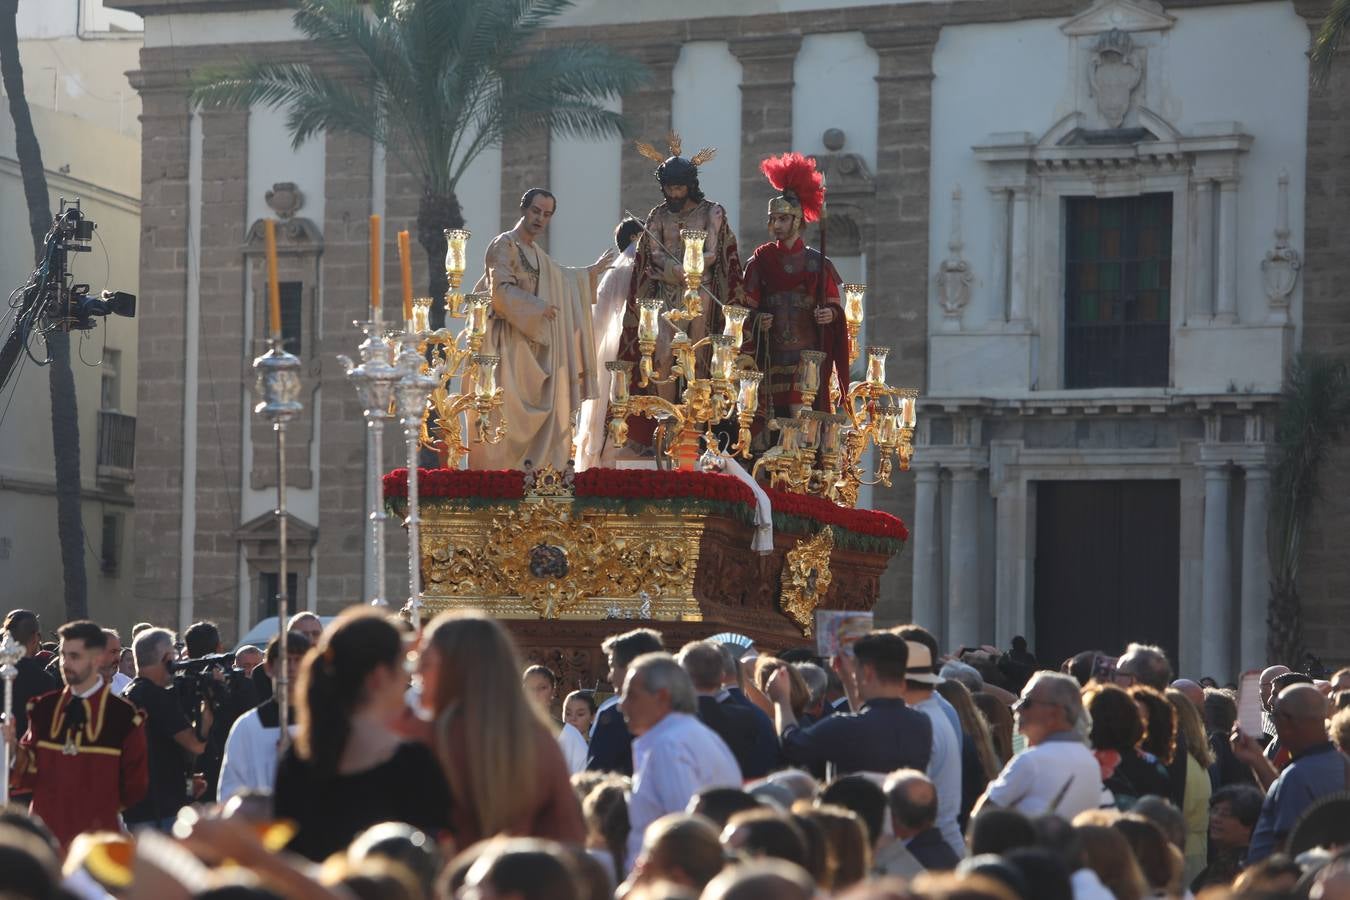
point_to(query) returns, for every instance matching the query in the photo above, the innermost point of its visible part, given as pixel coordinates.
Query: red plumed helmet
(795, 176)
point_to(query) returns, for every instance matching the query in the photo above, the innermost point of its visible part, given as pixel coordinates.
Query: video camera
(195, 681)
(72, 231)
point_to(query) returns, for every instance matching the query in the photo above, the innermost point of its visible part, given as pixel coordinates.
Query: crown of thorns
(674, 143)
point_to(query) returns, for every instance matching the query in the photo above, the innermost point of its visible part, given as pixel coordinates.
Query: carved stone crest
(285, 199)
(1114, 74)
(954, 275)
(1282, 263)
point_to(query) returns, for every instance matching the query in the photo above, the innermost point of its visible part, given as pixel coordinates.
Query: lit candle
(273, 287)
(648, 322)
(909, 416)
(374, 266)
(405, 266)
(809, 370)
(853, 303)
(733, 323)
(455, 260)
(693, 250)
(876, 364)
(485, 385)
(748, 396)
(620, 372)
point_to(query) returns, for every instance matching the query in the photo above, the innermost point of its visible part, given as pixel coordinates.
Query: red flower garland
(647, 484)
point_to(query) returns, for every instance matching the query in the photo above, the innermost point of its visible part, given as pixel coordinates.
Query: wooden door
(1107, 566)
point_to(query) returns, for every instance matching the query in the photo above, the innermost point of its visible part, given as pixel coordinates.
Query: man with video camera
(170, 737)
(207, 679)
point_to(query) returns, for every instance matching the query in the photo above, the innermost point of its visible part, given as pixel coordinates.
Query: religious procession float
(715, 487)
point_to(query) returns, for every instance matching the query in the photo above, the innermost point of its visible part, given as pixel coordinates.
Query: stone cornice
(164, 7)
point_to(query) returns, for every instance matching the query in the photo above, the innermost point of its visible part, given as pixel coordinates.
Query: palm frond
(322, 102)
(1328, 40)
(1314, 413)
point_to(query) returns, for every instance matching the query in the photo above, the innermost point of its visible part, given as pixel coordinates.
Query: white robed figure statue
(541, 328)
(593, 448)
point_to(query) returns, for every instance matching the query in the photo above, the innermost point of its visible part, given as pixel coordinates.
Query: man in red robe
(794, 291)
(83, 755)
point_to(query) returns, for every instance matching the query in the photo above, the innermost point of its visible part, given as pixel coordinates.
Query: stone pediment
(1119, 15)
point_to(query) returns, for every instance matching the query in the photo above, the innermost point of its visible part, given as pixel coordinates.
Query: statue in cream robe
(541, 329)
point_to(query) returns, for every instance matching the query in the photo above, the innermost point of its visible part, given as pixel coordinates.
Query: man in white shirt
(250, 760)
(1057, 773)
(110, 666)
(674, 754)
(944, 761)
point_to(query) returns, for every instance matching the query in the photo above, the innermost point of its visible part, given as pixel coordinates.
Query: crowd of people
(438, 765)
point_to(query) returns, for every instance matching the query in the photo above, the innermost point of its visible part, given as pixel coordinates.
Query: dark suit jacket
(32, 681)
(930, 849)
(736, 726)
(611, 747)
(768, 754)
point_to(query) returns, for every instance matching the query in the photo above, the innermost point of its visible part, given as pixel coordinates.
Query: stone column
(1216, 602)
(1225, 300)
(648, 113)
(1020, 264)
(926, 544)
(998, 256)
(1255, 569)
(342, 455)
(1202, 301)
(897, 257)
(766, 121)
(963, 576)
(1014, 552)
(165, 122)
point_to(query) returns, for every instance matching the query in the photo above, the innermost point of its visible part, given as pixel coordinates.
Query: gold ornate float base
(565, 576)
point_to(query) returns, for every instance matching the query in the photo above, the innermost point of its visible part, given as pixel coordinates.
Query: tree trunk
(61, 381)
(1284, 622)
(436, 213)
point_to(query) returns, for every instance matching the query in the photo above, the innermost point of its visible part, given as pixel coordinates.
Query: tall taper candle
(273, 288)
(374, 266)
(405, 264)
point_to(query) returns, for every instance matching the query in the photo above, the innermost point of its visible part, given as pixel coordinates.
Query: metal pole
(278, 385)
(412, 392)
(283, 597)
(10, 653)
(377, 514)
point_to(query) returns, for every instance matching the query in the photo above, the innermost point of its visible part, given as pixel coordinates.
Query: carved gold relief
(806, 579)
(545, 558)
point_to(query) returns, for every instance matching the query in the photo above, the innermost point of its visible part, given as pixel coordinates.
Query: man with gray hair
(674, 754)
(1144, 664)
(1057, 773)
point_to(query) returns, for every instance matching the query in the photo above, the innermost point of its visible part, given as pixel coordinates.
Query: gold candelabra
(465, 376)
(717, 384)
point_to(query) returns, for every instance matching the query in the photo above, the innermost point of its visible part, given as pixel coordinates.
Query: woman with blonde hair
(765, 666)
(979, 764)
(348, 768)
(998, 715)
(1108, 853)
(1195, 808)
(505, 770)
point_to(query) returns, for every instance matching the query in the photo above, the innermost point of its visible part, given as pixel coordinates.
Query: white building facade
(1085, 229)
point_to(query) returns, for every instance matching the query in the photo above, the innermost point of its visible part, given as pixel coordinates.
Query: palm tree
(1328, 40)
(437, 82)
(1314, 412)
(61, 381)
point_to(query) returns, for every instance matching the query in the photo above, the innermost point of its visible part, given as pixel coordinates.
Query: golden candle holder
(853, 315)
(456, 260)
(465, 377)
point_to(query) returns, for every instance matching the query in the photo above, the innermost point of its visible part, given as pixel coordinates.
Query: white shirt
(1087, 886)
(250, 761)
(119, 683)
(1032, 779)
(678, 757)
(944, 770)
(574, 748)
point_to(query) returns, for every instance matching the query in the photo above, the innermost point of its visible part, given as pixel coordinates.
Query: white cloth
(250, 761)
(944, 770)
(574, 748)
(547, 366)
(120, 683)
(607, 326)
(762, 542)
(85, 695)
(1032, 780)
(678, 757)
(1087, 886)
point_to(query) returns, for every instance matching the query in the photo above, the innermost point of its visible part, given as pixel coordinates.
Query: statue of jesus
(541, 328)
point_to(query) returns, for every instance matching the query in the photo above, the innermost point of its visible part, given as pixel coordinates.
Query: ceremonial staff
(11, 651)
(278, 389)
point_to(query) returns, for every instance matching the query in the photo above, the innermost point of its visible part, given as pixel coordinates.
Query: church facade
(1094, 235)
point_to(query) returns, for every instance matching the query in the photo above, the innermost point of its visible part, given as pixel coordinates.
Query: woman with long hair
(1195, 808)
(979, 765)
(348, 768)
(1000, 719)
(1117, 732)
(505, 770)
